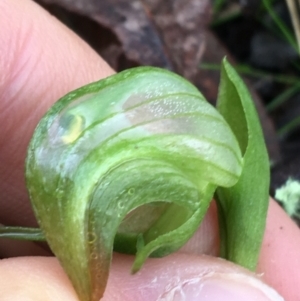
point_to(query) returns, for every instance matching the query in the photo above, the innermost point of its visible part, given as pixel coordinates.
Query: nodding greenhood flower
(131, 164)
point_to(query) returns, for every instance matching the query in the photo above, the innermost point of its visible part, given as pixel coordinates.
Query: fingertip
(40, 61)
(206, 239)
(34, 279)
(280, 258)
(175, 277)
(185, 277)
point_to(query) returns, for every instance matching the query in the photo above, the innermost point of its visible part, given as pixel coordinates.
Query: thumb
(182, 277)
(177, 277)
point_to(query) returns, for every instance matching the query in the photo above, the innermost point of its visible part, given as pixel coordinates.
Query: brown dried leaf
(183, 26)
(128, 20)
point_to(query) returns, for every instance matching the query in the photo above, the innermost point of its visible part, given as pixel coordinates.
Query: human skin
(40, 61)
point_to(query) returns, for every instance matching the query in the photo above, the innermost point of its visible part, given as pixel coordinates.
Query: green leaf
(243, 207)
(130, 162)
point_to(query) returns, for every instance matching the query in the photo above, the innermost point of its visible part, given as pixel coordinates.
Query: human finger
(40, 61)
(176, 277)
(279, 260)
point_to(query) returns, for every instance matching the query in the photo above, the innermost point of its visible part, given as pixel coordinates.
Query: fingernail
(221, 287)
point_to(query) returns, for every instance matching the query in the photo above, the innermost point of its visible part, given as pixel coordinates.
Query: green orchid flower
(131, 164)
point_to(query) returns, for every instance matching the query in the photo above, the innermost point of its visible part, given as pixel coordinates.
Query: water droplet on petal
(91, 237)
(131, 191)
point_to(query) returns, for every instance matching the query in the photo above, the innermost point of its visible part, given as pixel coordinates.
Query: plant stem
(246, 70)
(293, 7)
(284, 29)
(22, 233)
(286, 129)
(280, 99)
